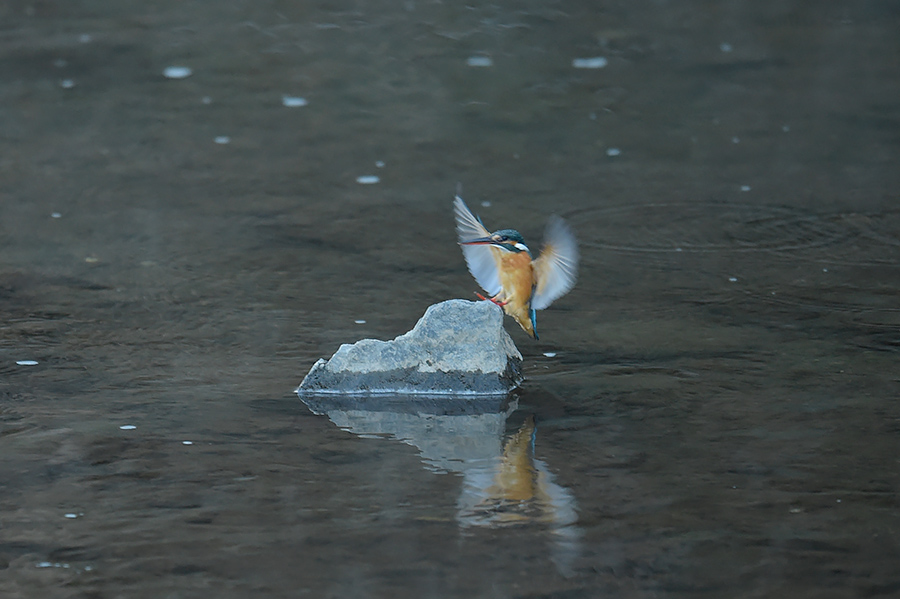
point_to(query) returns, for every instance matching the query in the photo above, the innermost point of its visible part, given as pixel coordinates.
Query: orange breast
(516, 276)
(517, 279)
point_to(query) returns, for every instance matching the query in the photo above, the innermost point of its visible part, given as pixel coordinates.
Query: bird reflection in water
(503, 483)
(520, 487)
(516, 488)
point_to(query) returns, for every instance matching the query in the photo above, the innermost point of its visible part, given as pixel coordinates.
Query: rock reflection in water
(503, 483)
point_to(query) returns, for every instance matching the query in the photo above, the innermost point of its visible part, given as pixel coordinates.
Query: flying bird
(504, 266)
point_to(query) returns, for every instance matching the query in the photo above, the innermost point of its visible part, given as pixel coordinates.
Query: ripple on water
(840, 297)
(708, 227)
(12, 421)
(734, 228)
(882, 227)
(839, 262)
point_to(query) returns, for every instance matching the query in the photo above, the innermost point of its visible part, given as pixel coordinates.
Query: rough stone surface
(457, 348)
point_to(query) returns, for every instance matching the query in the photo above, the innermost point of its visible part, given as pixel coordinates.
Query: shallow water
(720, 417)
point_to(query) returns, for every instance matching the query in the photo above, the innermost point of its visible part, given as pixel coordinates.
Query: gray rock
(457, 348)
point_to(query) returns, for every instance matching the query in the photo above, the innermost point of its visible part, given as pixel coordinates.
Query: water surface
(718, 416)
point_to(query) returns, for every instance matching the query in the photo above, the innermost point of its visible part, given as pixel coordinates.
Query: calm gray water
(711, 412)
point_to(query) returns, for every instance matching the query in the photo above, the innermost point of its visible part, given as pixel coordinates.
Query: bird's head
(505, 239)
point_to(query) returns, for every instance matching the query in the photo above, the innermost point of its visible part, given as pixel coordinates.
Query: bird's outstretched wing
(556, 269)
(481, 259)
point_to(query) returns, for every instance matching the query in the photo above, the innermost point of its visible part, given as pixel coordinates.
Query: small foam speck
(596, 62)
(479, 61)
(176, 72)
(293, 101)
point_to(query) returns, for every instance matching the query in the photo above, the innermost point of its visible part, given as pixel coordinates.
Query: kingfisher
(504, 266)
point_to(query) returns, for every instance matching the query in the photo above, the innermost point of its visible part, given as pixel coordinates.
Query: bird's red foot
(490, 299)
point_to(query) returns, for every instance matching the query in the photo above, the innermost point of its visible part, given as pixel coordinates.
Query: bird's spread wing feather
(557, 267)
(481, 259)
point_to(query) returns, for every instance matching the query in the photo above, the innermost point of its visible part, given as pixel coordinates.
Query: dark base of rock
(411, 381)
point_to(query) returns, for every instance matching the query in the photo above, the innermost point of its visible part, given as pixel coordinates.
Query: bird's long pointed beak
(478, 241)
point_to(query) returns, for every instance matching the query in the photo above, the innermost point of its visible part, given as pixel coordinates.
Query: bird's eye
(504, 238)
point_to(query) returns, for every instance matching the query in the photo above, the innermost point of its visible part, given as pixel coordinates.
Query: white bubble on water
(725, 47)
(293, 101)
(360, 321)
(127, 427)
(368, 179)
(732, 279)
(27, 362)
(480, 61)
(51, 565)
(67, 84)
(55, 215)
(176, 72)
(550, 354)
(745, 188)
(222, 139)
(596, 62)
(613, 151)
